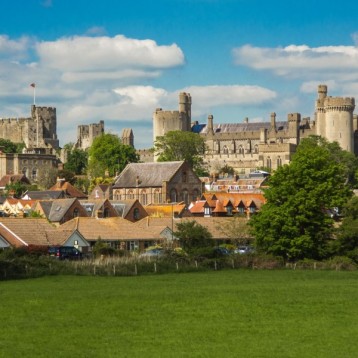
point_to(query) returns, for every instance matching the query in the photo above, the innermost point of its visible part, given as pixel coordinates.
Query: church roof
(147, 174)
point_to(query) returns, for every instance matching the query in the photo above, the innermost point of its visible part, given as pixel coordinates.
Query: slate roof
(242, 127)
(45, 194)
(147, 174)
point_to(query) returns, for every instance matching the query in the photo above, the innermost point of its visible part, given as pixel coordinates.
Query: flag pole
(33, 85)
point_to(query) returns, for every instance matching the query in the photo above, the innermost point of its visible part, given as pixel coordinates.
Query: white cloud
(212, 96)
(83, 53)
(299, 61)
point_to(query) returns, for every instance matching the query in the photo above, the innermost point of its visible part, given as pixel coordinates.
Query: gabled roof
(123, 207)
(69, 189)
(147, 174)
(28, 231)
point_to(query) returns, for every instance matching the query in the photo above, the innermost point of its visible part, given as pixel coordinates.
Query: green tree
(9, 147)
(236, 229)
(77, 160)
(294, 223)
(16, 189)
(346, 243)
(107, 153)
(182, 145)
(192, 235)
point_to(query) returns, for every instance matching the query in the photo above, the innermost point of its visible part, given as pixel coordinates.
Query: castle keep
(247, 146)
(37, 131)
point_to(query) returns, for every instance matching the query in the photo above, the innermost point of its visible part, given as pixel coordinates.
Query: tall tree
(77, 160)
(294, 223)
(181, 145)
(107, 153)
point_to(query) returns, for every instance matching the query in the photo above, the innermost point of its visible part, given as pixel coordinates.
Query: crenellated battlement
(339, 103)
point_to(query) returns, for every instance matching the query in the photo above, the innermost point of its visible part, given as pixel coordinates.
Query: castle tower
(210, 124)
(127, 137)
(334, 116)
(165, 121)
(294, 120)
(320, 114)
(339, 121)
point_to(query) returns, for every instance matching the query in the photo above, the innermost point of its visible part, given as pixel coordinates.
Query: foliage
(9, 147)
(68, 175)
(182, 145)
(47, 178)
(16, 189)
(227, 169)
(347, 234)
(99, 180)
(77, 160)
(82, 183)
(294, 223)
(107, 153)
(236, 229)
(193, 235)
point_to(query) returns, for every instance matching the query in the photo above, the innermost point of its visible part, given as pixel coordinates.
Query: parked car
(65, 253)
(221, 251)
(152, 253)
(244, 250)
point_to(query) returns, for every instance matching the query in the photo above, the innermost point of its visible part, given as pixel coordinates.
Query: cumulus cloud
(299, 61)
(84, 53)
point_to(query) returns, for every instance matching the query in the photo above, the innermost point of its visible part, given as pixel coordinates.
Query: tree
(192, 235)
(346, 243)
(294, 223)
(77, 160)
(236, 229)
(182, 145)
(107, 153)
(9, 147)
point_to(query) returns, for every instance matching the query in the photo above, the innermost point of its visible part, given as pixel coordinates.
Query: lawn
(238, 313)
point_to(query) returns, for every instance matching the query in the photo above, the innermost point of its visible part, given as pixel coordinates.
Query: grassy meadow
(238, 313)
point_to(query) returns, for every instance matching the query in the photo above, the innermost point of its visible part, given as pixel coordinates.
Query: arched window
(24, 171)
(130, 194)
(143, 197)
(173, 196)
(157, 196)
(136, 215)
(268, 163)
(185, 196)
(279, 162)
(34, 174)
(241, 150)
(225, 150)
(195, 195)
(256, 149)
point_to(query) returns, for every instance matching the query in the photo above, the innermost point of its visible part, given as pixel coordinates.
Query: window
(132, 245)
(195, 194)
(229, 210)
(34, 174)
(241, 150)
(185, 196)
(268, 162)
(136, 215)
(279, 162)
(106, 213)
(157, 197)
(173, 196)
(76, 213)
(207, 211)
(130, 194)
(225, 150)
(143, 198)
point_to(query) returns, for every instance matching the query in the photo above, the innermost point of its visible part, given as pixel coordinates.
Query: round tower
(339, 121)
(185, 110)
(320, 115)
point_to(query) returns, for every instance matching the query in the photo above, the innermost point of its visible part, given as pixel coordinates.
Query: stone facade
(247, 146)
(37, 131)
(32, 165)
(86, 133)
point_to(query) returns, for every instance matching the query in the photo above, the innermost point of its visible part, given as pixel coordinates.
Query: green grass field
(239, 313)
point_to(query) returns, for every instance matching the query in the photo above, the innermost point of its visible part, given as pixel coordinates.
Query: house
(17, 207)
(60, 210)
(119, 233)
(102, 191)
(131, 209)
(38, 232)
(227, 204)
(99, 208)
(158, 182)
(69, 190)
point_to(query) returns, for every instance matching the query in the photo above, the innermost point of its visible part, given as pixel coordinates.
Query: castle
(248, 146)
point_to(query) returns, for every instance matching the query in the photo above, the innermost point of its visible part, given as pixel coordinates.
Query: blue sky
(118, 61)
